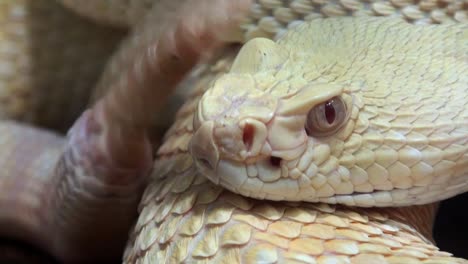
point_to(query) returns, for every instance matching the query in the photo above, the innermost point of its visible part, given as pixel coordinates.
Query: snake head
(254, 124)
(321, 116)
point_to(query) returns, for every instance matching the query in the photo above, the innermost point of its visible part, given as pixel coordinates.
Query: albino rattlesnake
(183, 216)
(341, 112)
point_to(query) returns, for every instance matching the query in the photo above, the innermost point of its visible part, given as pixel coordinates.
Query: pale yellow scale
(184, 218)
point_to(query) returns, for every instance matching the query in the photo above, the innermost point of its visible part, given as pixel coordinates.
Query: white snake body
(402, 139)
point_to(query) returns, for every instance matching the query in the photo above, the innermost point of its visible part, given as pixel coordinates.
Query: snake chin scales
(403, 134)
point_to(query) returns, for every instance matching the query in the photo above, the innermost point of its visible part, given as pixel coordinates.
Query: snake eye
(326, 118)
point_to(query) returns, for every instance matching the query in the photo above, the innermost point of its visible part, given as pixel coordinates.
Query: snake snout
(203, 148)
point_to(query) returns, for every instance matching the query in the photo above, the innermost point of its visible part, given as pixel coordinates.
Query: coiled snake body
(93, 179)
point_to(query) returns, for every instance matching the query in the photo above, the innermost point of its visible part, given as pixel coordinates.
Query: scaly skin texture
(401, 135)
(185, 218)
(106, 118)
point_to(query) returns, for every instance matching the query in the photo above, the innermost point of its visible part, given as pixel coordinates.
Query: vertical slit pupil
(330, 113)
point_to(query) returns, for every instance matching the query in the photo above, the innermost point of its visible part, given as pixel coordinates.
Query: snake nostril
(275, 161)
(248, 135)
